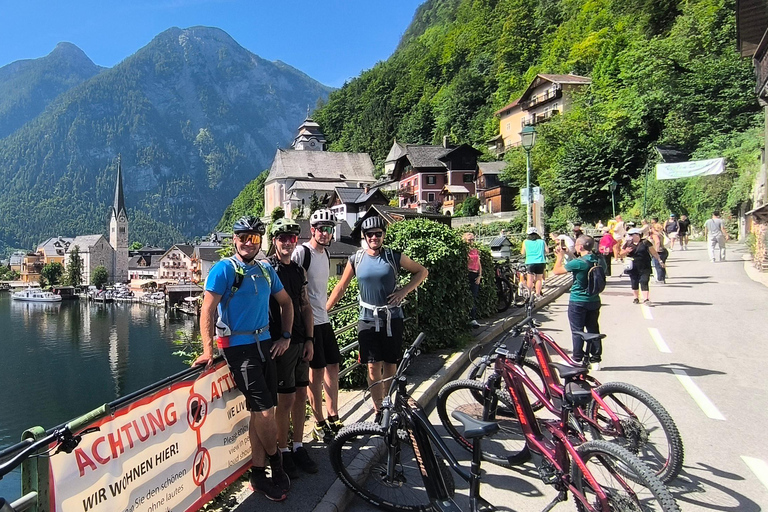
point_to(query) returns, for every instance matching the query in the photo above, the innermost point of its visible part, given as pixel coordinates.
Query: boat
(35, 295)
(4, 287)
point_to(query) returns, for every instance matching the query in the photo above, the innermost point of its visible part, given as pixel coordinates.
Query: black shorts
(639, 279)
(292, 369)
(326, 348)
(377, 346)
(536, 268)
(256, 379)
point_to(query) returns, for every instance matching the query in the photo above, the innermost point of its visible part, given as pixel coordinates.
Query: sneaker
(636, 301)
(303, 461)
(289, 465)
(261, 483)
(713, 260)
(279, 476)
(474, 324)
(647, 302)
(335, 425)
(322, 433)
(595, 366)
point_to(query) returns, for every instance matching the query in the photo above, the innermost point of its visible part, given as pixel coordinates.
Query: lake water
(62, 360)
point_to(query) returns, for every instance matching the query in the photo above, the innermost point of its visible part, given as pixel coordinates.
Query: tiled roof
(507, 107)
(314, 185)
(85, 242)
(396, 151)
(492, 167)
(186, 249)
(348, 194)
(55, 246)
(426, 156)
(567, 79)
(154, 263)
(321, 166)
(456, 189)
(208, 253)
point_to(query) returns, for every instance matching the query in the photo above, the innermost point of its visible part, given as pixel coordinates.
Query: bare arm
(341, 287)
(286, 317)
(419, 274)
(559, 268)
(309, 324)
(207, 322)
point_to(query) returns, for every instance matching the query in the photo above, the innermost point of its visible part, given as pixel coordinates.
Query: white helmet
(533, 230)
(323, 216)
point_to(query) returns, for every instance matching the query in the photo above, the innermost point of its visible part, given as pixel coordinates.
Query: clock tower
(118, 231)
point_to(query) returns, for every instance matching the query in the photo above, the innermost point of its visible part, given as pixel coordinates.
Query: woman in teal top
(535, 251)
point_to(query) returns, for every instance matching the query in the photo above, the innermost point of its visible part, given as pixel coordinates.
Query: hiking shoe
(636, 301)
(302, 459)
(289, 465)
(279, 477)
(261, 483)
(335, 425)
(647, 302)
(323, 433)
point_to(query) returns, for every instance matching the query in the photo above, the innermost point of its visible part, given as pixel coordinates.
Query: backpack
(307, 259)
(239, 276)
(389, 257)
(596, 279)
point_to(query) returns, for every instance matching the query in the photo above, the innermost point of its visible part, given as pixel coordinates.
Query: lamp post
(527, 140)
(613, 186)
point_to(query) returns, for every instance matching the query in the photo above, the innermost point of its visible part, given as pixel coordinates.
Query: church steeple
(118, 230)
(119, 205)
(309, 138)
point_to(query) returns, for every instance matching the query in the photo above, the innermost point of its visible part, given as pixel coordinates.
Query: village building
(54, 249)
(31, 265)
(545, 97)
(494, 196)
(176, 263)
(95, 251)
(143, 266)
(307, 169)
(204, 257)
(15, 261)
(349, 203)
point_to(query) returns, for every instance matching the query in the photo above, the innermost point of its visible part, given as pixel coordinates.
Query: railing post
(34, 474)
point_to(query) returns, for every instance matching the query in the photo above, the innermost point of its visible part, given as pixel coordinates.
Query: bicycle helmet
(533, 230)
(249, 224)
(284, 225)
(321, 217)
(373, 223)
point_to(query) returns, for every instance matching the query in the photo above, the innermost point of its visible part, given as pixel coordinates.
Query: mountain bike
(601, 476)
(393, 464)
(505, 287)
(522, 292)
(617, 411)
(60, 439)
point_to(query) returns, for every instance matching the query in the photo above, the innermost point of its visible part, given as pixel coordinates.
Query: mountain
(195, 117)
(27, 87)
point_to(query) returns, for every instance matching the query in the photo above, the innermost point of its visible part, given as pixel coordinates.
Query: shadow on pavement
(692, 371)
(692, 488)
(682, 303)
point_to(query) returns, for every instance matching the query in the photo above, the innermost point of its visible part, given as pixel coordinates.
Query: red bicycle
(617, 411)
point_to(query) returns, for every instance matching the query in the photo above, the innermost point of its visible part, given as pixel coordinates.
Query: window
(468, 178)
(339, 269)
(430, 196)
(431, 179)
(509, 126)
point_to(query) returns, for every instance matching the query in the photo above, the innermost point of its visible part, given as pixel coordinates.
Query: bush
(471, 206)
(357, 377)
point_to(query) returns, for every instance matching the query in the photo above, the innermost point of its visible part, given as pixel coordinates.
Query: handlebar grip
(522, 323)
(78, 423)
(418, 341)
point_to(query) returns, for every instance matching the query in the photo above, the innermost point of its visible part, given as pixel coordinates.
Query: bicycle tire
(358, 456)
(652, 436)
(602, 459)
(506, 448)
(480, 373)
(503, 289)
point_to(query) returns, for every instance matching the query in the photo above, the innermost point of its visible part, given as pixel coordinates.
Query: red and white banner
(171, 451)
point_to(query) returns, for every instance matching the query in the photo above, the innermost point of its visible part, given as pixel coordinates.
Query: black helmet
(373, 223)
(249, 224)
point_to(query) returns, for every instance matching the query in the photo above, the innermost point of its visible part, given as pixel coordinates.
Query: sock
(320, 423)
(296, 445)
(275, 459)
(286, 449)
(333, 418)
(258, 471)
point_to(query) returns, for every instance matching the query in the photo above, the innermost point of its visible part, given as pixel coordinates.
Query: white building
(94, 251)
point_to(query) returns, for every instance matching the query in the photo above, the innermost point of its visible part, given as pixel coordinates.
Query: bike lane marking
(658, 340)
(704, 403)
(758, 467)
(646, 312)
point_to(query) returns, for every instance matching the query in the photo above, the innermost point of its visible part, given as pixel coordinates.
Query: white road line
(659, 341)
(698, 395)
(758, 467)
(646, 312)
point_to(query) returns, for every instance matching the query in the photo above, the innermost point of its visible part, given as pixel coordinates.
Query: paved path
(700, 350)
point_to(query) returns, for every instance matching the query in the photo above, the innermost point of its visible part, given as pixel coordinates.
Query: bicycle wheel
(505, 448)
(649, 431)
(634, 488)
(532, 369)
(360, 454)
(503, 290)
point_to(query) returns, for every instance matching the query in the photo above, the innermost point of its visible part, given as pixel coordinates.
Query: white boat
(35, 295)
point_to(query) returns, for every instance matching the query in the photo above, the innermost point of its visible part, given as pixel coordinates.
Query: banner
(690, 169)
(173, 450)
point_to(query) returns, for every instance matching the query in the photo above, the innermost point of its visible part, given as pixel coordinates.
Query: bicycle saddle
(589, 336)
(567, 371)
(475, 428)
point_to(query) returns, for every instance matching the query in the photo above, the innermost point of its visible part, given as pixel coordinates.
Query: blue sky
(331, 41)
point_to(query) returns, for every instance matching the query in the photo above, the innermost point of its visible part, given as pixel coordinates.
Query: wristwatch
(286, 335)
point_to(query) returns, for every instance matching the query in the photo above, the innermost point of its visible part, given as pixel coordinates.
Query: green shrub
(343, 319)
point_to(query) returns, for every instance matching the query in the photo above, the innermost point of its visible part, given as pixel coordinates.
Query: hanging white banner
(690, 169)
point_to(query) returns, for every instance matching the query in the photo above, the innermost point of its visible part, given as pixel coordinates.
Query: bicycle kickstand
(561, 496)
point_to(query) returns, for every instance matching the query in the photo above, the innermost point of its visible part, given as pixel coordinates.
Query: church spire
(119, 205)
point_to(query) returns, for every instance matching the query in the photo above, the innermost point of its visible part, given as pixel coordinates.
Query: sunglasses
(287, 239)
(325, 229)
(374, 234)
(253, 238)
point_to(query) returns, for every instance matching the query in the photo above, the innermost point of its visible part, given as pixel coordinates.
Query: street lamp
(527, 140)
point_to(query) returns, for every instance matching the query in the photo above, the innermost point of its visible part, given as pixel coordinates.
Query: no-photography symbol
(201, 466)
(197, 410)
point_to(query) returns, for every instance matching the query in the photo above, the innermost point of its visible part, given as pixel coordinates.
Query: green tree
(74, 272)
(314, 203)
(135, 246)
(471, 206)
(52, 273)
(277, 213)
(100, 276)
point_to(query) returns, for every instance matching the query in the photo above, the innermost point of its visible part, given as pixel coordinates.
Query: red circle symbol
(201, 467)
(197, 410)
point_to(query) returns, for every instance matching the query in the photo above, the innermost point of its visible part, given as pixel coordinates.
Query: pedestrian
(577, 231)
(314, 258)
(714, 231)
(238, 288)
(380, 327)
(583, 307)
(564, 241)
(475, 272)
(605, 248)
(599, 226)
(658, 239)
(645, 227)
(682, 234)
(640, 251)
(619, 230)
(535, 251)
(293, 365)
(671, 228)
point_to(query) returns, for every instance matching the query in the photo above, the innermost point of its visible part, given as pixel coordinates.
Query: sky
(332, 40)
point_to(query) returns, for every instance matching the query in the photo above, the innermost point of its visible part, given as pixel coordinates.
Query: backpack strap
(307, 259)
(236, 284)
(389, 257)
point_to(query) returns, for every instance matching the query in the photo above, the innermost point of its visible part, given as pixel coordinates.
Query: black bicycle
(62, 438)
(393, 464)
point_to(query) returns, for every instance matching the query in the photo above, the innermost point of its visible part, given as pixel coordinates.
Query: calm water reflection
(62, 360)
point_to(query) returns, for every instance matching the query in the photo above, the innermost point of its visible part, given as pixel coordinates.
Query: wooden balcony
(405, 191)
(550, 94)
(761, 70)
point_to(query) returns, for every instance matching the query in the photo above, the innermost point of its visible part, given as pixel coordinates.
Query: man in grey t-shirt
(716, 235)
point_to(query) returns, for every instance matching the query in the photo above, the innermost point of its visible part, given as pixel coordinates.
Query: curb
(339, 497)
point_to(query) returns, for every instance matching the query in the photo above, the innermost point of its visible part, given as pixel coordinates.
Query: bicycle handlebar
(78, 423)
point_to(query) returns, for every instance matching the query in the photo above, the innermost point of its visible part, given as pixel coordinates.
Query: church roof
(396, 151)
(321, 166)
(119, 204)
(85, 242)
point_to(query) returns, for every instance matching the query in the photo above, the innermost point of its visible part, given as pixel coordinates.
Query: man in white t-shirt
(324, 366)
(714, 230)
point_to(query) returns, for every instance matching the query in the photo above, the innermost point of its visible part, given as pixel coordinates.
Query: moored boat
(35, 295)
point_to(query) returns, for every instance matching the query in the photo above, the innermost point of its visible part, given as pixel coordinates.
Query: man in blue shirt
(238, 288)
